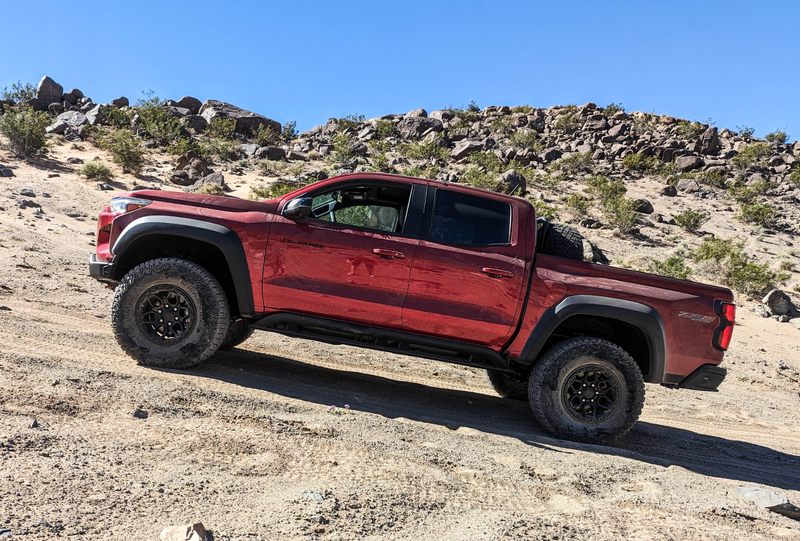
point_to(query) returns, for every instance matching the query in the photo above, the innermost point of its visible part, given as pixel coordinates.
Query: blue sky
(736, 62)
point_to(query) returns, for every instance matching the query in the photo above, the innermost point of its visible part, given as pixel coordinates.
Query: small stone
(34, 424)
(315, 496)
(74, 160)
(140, 414)
(783, 319)
(761, 497)
(27, 192)
(669, 191)
(187, 532)
(644, 206)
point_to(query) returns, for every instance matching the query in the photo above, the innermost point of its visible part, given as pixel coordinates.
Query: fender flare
(217, 235)
(644, 317)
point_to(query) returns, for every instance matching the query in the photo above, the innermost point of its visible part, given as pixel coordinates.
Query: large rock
(465, 148)
(596, 122)
(619, 129)
(247, 122)
(195, 123)
(64, 121)
(187, 532)
(214, 178)
(513, 180)
(48, 92)
(688, 163)
(417, 113)
(188, 102)
(779, 302)
(687, 185)
(412, 127)
(120, 102)
(95, 115)
(709, 141)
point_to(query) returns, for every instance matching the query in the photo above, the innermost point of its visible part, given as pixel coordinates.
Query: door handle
(389, 254)
(497, 273)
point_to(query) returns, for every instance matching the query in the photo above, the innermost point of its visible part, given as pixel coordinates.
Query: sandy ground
(245, 442)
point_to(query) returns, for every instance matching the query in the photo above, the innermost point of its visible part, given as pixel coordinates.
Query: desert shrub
(127, 151)
(24, 129)
(578, 205)
(757, 213)
(525, 138)
(117, 117)
(752, 155)
(689, 130)
(691, 220)
(289, 131)
(613, 108)
(265, 136)
(504, 124)
(19, 92)
(349, 122)
(745, 131)
(276, 189)
(223, 128)
(384, 128)
(156, 122)
(543, 209)
(271, 168)
(605, 188)
(713, 178)
(568, 121)
(343, 150)
(423, 150)
(778, 136)
(726, 261)
(473, 176)
(211, 189)
(640, 162)
(96, 171)
(794, 176)
(210, 148)
(525, 109)
(427, 171)
(182, 145)
(673, 267)
(621, 213)
(380, 163)
(576, 162)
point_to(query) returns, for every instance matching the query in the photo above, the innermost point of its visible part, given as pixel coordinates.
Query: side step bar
(335, 332)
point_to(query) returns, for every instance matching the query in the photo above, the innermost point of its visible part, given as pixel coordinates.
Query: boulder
(271, 153)
(688, 185)
(194, 123)
(644, 206)
(48, 92)
(214, 178)
(412, 127)
(619, 129)
(779, 302)
(95, 116)
(55, 108)
(417, 113)
(249, 149)
(596, 122)
(688, 163)
(85, 108)
(120, 102)
(442, 114)
(187, 532)
(709, 141)
(465, 148)
(73, 118)
(513, 180)
(247, 122)
(188, 102)
(669, 191)
(550, 154)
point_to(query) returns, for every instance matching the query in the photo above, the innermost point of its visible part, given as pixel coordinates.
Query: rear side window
(469, 220)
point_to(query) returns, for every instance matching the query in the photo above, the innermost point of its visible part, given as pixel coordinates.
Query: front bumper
(101, 270)
(706, 378)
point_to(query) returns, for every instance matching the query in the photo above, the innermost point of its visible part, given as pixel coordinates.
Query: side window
(378, 207)
(470, 220)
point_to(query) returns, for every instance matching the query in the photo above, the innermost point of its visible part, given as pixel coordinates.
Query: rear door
(466, 281)
(351, 259)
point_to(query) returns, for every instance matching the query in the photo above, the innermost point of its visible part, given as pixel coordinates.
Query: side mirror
(298, 208)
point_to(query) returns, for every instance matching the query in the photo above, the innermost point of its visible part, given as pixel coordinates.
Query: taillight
(724, 333)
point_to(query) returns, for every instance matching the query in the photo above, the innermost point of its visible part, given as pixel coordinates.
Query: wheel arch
(635, 327)
(215, 247)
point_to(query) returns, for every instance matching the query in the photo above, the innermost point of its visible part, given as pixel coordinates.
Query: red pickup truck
(417, 267)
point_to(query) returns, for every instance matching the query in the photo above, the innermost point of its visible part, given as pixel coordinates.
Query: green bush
(473, 176)
(156, 122)
(543, 209)
(117, 117)
(689, 130)
(182, 145)
(380, 163)
(757, 213)
(605, 188)
(289, 131)
(752, 155)
(691, 220)
(223, 128)
(210, 148)
(778, 136)
(574, 163)
(349, 122)
(24, 129)
(525, 138)
(96, 171)
(504, 124)
(276, 189)
(794, 176)
(271, 168)
(524, 109)
(473, 107)
(428, 171)
(423, 150)
(639, 162)
(713, 178)
(127, 151)
(19, 92)
(673, 267)
(569, 121)
(384, 128)
(726, 261)
(745, 131)
(211, 189)
(578, 205)
(621, 214)
(265, 136)
(343, 150)
(613, 108)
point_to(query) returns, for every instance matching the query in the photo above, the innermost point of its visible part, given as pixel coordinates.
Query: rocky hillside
(656, 193)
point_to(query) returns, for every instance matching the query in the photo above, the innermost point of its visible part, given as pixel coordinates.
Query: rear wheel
(587, 390)
(507, 385)
(169, 313)
(563, 241)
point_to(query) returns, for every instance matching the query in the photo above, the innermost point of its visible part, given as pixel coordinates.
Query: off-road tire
(238, 332)
(552, 390)
(199, 299)
(563, 241)
(507, 385)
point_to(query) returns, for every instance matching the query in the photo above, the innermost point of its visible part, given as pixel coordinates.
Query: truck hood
(210, 202)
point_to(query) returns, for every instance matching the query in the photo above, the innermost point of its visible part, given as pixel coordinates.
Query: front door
(350, 260)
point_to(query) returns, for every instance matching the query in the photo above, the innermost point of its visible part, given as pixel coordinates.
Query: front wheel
(586, 390)
(169, 313)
